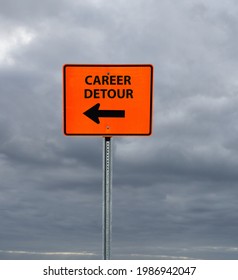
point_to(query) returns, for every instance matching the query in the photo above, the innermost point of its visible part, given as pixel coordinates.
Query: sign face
(107, 100)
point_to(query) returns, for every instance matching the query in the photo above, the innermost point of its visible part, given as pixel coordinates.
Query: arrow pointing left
(94, 113)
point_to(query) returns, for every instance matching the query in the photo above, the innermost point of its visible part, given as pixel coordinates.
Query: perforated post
(107, 198)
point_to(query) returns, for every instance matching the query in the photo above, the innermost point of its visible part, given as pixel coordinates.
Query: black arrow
(94, 113)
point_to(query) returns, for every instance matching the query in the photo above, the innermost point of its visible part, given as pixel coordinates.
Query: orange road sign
(107, 100)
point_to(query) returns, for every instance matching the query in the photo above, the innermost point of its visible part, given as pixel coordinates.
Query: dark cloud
(174, 193)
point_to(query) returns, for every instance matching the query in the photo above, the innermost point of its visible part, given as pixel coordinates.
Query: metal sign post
(107, 198)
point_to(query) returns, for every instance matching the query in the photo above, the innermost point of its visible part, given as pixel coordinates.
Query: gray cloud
(174, 193)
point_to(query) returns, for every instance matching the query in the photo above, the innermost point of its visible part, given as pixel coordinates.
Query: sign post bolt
(107, 198)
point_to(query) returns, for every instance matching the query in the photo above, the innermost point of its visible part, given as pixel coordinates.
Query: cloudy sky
(175, 193)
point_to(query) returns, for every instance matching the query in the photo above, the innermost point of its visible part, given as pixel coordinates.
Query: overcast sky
(175, 193)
